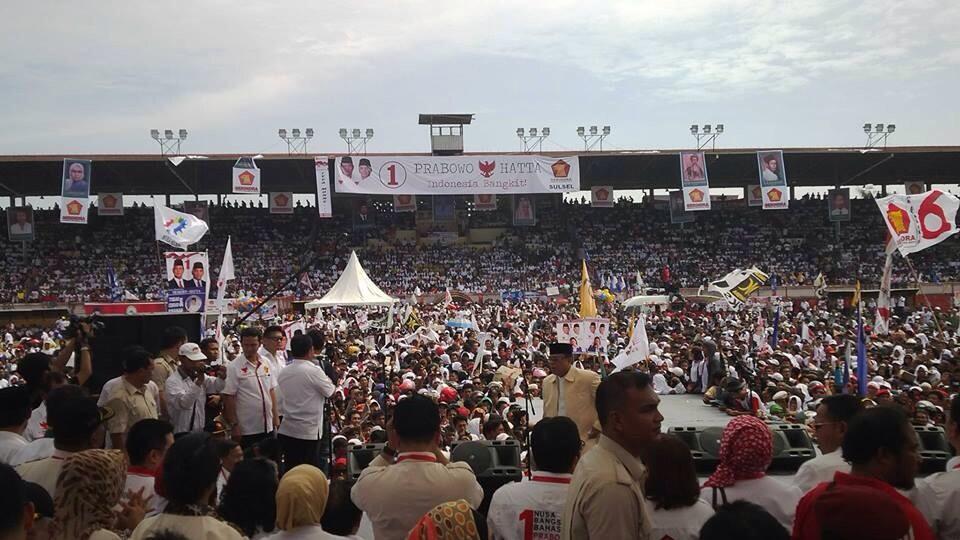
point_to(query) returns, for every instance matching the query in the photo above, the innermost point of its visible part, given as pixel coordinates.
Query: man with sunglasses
(273, 352)
(830, 426)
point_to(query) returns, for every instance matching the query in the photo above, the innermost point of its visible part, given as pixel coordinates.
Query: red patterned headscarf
(746, 450)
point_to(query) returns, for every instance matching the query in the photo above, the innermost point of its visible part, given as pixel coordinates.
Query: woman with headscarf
(88, 488)
(746, 451)
(301, 500)
(454, 520)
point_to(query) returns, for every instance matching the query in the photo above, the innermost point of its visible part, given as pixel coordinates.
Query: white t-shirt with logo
(529, 510)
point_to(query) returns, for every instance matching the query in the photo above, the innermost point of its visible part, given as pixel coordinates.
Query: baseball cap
(192, 351)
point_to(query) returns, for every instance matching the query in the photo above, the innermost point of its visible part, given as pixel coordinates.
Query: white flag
(805, 332)
(917, 222)
(637, 350)
(178, 229)
(225, 275)
(881, 327)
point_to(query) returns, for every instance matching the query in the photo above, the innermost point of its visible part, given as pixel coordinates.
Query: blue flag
(846, 369)
(116, 293)
(861, 355)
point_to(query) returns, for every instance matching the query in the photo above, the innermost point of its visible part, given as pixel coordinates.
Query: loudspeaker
(791, 447)
(935, 451)
(359, 456)
(121, 331)
(495, 463)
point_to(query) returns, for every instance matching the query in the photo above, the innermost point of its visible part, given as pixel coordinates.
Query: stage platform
(680, 410)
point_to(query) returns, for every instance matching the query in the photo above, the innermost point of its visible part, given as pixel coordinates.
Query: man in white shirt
(147, 444)
(274, 355)
(305, 388)
(938, 495)
(396, 495)
(534, 509)
(14, 414)
(830, 426)
(186, 390)
(249, 396)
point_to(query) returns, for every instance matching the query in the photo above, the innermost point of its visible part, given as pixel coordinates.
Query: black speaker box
(935, 451)
(359, 456)
(120, 331)
(791, 447)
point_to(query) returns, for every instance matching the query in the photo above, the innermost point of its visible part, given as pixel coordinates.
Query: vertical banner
(773, 180)
(198, 209)
(404, 203)
(677, 212)
(20, 223)
(693, 180)
(601, 196)
(914, 187)
(444, 208)
(281, 202)
(485, 201)
(186, 284)
(110, 204)
(363, 214)
(74, 210)
(838, 201)
(524, 210)
(324, 204)
(754, 195)
(246, 176)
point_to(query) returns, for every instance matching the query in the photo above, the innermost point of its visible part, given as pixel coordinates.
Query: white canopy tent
(353, 288)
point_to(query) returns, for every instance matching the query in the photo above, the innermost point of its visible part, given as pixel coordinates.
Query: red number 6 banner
(929, 209)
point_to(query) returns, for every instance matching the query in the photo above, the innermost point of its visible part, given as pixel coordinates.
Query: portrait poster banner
(324, 202)
(198, 209)
(20, 224)
(76, 178)
(838, 204)
(444, 208)
(601, 196)
(773, 180)
(187, 283)
(485, 201)
(363, 214)
(914, 187)
(754, 195)
(678, 212)
(524, 211)
(693, 181)
(281, 202)
(74, 210)
(246, 176)
(589, 335)
(457, 175)
(404, 203)
(110, 204)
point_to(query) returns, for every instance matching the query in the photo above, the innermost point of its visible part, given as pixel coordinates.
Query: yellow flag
(588, 306)
(856, 295)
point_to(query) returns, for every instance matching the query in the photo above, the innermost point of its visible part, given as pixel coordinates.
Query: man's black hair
(146, 435)
(190, 467)
(14, 406)
(417, 419)
(172, 336)
(251, 331)
(556, 444)
(273, 329)
(300, 346)
(318, 340)
(135, 358)
(612, 392)
(205, 342)
(872, 430)
(13, 499)
(744, 521)
(341, 516)
(842, 407)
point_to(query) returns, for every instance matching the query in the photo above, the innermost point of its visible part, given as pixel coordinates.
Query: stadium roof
(148, 174)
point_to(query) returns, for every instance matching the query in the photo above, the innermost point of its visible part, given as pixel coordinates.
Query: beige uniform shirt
(606, 499)
(163, 367)
(578, 394)
(130, 404)
(44, 471)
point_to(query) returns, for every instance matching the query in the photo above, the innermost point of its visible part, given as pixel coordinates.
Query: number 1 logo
(392, 175)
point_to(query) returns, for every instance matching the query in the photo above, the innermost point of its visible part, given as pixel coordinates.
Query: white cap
(192, 351)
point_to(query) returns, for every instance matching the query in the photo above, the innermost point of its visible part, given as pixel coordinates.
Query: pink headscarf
(746, 450)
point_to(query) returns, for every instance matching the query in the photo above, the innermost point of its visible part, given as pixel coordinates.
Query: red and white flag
(917, 222)
(882, 324)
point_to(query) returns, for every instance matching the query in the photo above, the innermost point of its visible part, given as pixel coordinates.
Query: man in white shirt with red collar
(829, 427)
(249, 396)
(14, 414)
(534, 510)
(147, 443)
(272, 351)
(305, 387)
(396, 495)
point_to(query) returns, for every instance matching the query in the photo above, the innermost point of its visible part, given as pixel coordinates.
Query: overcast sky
(94, 77)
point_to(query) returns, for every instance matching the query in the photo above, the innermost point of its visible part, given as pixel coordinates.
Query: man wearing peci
(177, 282)
(365, 169)
(571, 392)
(197, 281)
(346, 167)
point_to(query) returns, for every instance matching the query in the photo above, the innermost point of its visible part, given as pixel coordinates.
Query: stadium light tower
(296, 142)
(876, 135)
(169, 143)
(533, 138)
(594, 138)
(706, 134)
(356, 139)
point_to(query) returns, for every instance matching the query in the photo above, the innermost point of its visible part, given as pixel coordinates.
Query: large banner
(693, 180)
(457, 175)
(773, 180)
(601, 196)
(754, 195)
(585, 335)
(404, 203)
(20, 223)
(839, 204)
(110, 204)
(524, 211)
(324, 203)
(75, 210)
(677, 212)
(917, 222)
(186, 281)
(485, 201)
(246, 176)
(281, 202)
(75, 191)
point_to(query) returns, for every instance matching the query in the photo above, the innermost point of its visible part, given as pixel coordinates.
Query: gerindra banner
(456, 175)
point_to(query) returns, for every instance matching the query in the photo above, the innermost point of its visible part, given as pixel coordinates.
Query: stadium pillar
(883, 190)
(792, 194)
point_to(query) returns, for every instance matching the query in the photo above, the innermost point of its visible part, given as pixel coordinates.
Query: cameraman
(79, 336)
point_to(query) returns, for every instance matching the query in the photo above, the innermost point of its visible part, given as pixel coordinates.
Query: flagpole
(916, 275)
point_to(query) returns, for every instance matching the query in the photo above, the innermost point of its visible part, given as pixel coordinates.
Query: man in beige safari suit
(571, 392)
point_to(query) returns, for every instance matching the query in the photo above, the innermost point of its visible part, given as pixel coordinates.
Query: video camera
(75, 328)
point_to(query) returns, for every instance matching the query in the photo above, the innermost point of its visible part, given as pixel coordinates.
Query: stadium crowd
(66, 263)
(255, 443)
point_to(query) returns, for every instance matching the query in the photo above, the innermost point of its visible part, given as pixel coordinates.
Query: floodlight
(879, 128)
(154, 133)
(369, 132)
(593, 130)
(606, 130)
(533, 132)
(694, 129)
(706, 129)
(866, 128)
(580, 131)
(891, 128)
(168, 134)
(545, 132)
(356, 133)
(183, 134)
(718, 128)
(343, 132)
(295, 132)
(519, 132)
(309, 133)
(282, 133)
